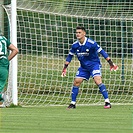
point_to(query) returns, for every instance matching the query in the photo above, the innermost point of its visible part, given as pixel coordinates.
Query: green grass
(55, 119)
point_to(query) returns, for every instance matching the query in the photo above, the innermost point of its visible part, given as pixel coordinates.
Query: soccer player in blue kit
(87, 51)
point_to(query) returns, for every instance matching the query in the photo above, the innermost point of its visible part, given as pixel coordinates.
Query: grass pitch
(56, 119)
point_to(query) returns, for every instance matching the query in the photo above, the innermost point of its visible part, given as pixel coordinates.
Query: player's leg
(103, 90)
(74, 92)
(3, 78)
(96, 74)
(80, 76)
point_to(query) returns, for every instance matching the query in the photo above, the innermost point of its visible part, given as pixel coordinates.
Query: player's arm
(14, 51)
(112, 65)
(68, 60)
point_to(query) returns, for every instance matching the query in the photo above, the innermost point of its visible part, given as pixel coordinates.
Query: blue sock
(74, 94)
(103, 90)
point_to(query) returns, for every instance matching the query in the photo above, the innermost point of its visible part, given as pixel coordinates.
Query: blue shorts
(86, 73)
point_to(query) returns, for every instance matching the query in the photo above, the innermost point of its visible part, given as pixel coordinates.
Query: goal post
(2, 16)
(14, 63)
(45, 33)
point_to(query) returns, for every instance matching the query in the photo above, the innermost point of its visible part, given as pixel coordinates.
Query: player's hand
(63, 72)
(113, 67)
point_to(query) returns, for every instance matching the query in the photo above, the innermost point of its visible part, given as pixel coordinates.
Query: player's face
(80, 34)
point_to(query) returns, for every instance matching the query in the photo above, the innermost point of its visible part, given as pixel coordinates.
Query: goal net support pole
(14, 60)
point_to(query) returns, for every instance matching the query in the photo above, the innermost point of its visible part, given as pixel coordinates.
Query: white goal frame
(14, 64)
(14, 42)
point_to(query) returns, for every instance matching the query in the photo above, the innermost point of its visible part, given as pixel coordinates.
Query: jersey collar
(83, 42)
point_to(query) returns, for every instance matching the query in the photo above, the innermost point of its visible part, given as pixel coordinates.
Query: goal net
(45, 33)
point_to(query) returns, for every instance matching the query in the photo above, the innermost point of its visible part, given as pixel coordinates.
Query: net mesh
(45, 33)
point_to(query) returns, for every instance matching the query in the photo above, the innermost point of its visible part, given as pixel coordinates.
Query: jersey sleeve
(94, 45)
(7, 41)
(97, 47)
(100, 50)
(71, 53)
(72, 50)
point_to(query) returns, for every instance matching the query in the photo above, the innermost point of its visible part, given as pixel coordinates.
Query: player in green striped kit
(4, 62)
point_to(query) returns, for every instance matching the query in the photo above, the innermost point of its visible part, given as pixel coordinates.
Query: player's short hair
(80, 28)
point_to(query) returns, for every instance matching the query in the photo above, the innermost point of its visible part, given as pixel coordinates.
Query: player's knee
(98, 80)
(77, 82)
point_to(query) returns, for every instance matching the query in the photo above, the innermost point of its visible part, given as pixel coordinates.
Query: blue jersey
(87, 53)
